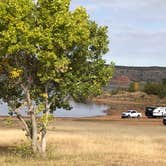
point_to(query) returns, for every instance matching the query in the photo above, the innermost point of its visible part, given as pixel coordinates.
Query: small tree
(134, 86)
(48, 54)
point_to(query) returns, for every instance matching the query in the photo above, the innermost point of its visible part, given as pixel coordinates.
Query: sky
(137, 29)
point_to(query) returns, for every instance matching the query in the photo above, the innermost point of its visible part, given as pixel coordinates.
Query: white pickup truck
(131, 114)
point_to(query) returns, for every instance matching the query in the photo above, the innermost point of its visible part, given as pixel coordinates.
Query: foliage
(164, 81)
(156, 89)
(115, 91)
(134, 86)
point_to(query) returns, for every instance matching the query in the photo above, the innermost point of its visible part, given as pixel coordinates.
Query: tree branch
(20, 117)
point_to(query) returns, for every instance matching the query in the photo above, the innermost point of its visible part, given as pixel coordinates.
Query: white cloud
(137, 29)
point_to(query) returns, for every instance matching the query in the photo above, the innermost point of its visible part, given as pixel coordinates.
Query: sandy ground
(6, 122)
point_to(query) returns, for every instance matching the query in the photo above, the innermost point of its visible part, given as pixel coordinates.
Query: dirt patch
(129, 121)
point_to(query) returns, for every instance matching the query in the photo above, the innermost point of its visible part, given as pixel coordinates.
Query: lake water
(78, 110)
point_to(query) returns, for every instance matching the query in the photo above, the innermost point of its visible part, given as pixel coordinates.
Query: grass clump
(23, 150)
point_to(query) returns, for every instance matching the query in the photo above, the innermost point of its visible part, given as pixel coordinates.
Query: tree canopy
(48, 55)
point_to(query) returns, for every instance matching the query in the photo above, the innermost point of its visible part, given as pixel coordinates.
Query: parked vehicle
(159, 112)
(131, 114)
(149, 111)
(164, 121)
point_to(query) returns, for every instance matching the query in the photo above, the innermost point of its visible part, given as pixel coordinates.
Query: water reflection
(78, 110)
(82, 110)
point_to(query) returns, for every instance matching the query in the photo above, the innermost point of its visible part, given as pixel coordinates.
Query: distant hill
(124, 75)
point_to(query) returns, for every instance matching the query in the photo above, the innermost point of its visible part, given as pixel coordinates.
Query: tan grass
(94, 143)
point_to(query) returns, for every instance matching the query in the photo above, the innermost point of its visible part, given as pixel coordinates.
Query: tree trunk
(36, 147)
(28, 133)
(33, 120)
(43, 141)
(44, 128)
(44, 131)
(34, 132)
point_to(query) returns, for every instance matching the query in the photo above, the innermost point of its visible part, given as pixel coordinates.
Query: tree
(134, 86)
(48, 55)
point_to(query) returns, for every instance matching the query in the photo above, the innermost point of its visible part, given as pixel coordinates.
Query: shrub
(114, 91)
(158, 89)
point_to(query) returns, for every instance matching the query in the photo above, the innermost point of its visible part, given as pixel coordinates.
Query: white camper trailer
(159, 112)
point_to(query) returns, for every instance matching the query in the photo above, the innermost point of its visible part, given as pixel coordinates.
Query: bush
(158, 89)
(114, 91)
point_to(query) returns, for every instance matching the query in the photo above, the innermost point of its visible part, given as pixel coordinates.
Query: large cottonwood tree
(48, 55)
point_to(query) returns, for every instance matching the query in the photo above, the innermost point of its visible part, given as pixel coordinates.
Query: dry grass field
(91, 143)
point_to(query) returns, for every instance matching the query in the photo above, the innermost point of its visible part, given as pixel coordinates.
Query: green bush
(114, 91)
(158, 89)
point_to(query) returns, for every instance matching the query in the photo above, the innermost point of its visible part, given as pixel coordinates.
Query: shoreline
(114, 120)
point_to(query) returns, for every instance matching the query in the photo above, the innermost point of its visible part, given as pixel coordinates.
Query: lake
(78, 110)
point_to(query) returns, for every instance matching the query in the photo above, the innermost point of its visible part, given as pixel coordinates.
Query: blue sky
(137, 29)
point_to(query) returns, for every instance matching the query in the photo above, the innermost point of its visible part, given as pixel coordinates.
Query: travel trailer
(159, 112)
(149, 111)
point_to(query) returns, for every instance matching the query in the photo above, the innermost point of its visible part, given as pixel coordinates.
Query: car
(164, 121)
(131, 114)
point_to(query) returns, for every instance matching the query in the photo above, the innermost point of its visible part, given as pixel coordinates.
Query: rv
(159, 112)
(149, 111)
